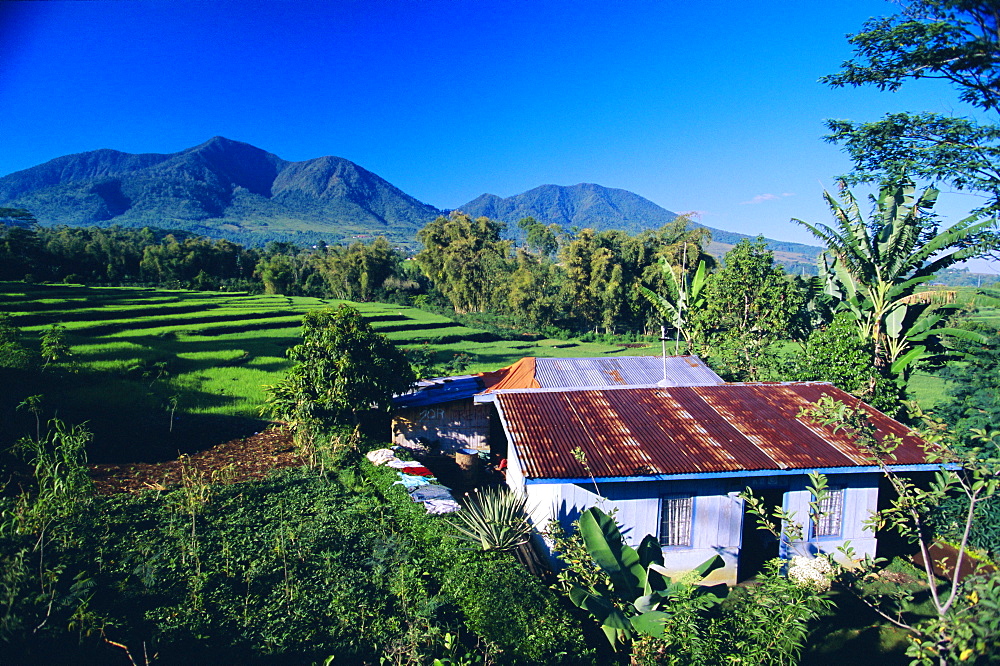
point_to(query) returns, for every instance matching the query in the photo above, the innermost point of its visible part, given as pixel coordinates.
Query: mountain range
(229, 189)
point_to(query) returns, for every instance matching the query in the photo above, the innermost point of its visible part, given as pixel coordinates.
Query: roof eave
(924, 467)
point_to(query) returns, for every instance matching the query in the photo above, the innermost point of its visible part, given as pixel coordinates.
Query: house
(673, 460)
(452, 412)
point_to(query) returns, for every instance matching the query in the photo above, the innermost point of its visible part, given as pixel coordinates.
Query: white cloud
(761, 198)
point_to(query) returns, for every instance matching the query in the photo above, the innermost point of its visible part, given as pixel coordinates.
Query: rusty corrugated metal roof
(520, 375)
(646, 431)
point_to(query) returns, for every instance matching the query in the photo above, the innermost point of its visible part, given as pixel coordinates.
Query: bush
(514, 612)
(511, 610)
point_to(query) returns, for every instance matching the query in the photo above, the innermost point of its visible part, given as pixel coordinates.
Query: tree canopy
(342, 367)
(953, 40)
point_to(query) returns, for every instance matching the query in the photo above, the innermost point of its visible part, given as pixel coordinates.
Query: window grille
(675, 520)
(831, 508)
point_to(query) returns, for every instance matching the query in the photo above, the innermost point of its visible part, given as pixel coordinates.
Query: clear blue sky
(699, 106)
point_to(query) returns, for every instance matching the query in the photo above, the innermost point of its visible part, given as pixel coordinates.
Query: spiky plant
(493, 519)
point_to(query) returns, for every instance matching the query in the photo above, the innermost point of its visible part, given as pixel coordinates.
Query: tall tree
(954, 40)
(874, 268)
(467, 260)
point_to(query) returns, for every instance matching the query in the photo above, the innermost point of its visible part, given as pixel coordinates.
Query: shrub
(514, 612)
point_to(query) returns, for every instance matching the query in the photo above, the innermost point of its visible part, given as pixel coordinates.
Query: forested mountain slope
(588, 205)
(219, 188)
(232, 190)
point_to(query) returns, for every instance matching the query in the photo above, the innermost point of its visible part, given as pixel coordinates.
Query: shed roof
(601, 372)
(663, 431)
(531, 372)
(441, 389)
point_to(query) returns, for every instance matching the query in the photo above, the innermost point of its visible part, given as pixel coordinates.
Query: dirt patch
(238, 460)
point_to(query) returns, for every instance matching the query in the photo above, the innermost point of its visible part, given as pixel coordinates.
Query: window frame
(837, 496)
(688, 507)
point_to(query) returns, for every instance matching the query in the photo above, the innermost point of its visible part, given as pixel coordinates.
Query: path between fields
(238, 460)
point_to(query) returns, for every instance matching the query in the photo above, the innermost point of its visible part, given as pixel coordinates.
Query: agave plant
(493, 519)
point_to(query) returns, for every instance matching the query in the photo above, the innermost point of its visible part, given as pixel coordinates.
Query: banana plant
(639, 598)
(688, 294)
(874, 267)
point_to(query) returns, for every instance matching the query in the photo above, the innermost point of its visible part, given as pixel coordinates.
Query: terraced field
(147, 353)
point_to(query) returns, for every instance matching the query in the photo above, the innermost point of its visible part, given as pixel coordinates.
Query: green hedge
(520, 618)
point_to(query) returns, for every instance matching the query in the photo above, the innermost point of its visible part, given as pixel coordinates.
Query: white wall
(718, 513)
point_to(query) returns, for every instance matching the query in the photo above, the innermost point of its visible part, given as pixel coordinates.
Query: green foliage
(837, 354)
(953, 40)
(974, 391)
(749, 306)
(518, 618)
(53, 345)
(637, 578)
(768, 623)
(542, 238)
(13, 354)
(342, 367)
(514, 612)
(960, 628)
(874, 268)
(684, 295)
(40, 593)
(466, 259)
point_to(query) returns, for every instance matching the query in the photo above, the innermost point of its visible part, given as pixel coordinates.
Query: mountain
(229, 189)
(585, 206)
(219, 188)
(601, 208)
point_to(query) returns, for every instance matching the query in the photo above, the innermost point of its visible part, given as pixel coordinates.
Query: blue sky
(699, 106)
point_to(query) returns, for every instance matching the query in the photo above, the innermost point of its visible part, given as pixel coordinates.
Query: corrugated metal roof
(611, 371)
(647, 431)
(441, 389)
(518, 375)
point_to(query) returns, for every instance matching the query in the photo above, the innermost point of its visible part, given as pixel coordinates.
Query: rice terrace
(180, 357)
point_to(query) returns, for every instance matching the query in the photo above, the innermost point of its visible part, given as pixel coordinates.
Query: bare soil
(234, 461)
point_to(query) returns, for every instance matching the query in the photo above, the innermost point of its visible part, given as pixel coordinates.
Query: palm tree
(875, 267)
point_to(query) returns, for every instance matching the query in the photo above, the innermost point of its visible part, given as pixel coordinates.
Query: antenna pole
(663, 345)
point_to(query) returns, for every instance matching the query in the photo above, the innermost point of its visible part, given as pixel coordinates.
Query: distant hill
(585, 206)
(593, 206)
(228, 189)
(220, 188)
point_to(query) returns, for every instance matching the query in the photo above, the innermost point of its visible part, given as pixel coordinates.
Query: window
(831, 508)
(675, 520)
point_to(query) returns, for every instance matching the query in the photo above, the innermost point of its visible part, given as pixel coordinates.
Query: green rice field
(205, 356)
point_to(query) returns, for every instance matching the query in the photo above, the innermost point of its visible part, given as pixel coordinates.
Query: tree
(342, 367)
(749, 303)
(835, 353)
(13, 354)
(684, 295)
(542, 238)
(874, 269)
(953, 40)
(467, 260)
(53, 344)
